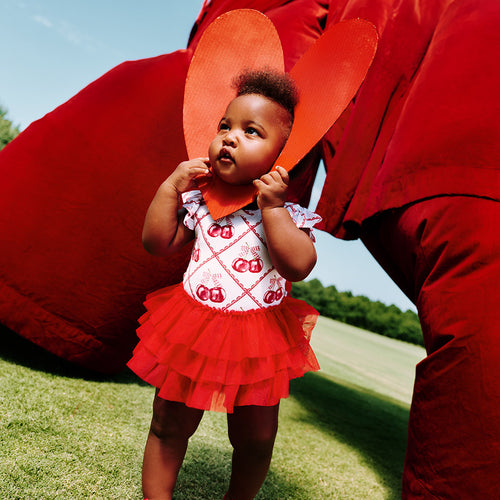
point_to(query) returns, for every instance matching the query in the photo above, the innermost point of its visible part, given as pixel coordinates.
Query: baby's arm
(290, 248)
(164, 231)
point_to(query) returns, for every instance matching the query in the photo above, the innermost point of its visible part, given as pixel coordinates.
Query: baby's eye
(223, 126)
(252, 131)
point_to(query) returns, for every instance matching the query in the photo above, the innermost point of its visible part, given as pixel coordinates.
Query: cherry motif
(214, 230)
(227, 232)
(255, 265)
(241, 265)
(203, 293)
(270, 297)
(196, 255)
(273, 296)
(217, 294)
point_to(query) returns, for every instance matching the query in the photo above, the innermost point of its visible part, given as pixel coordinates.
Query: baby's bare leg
(252, 431)
(171, 427)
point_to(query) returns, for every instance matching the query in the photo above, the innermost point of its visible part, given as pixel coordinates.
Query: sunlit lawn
(69, 435)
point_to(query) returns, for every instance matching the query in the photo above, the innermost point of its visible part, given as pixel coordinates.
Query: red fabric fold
(425, 121)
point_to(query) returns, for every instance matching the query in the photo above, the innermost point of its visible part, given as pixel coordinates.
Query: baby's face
(251, 135)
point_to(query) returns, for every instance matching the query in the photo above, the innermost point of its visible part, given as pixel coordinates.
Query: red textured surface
(74, 189)
(218, 58)
(444, 254)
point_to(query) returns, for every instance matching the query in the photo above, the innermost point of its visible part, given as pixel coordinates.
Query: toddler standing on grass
(229, 338)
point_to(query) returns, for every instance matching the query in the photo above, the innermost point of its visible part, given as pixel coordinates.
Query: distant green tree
(7, 130)
(360, 311)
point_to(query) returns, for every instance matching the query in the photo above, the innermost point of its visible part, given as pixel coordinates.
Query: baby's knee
(174, 420)
(253, 428)
(257, 441)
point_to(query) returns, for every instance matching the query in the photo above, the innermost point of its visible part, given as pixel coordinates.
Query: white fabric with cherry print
(230, 268)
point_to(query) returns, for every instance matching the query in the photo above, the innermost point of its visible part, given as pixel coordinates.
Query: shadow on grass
(373, 425)
(18, 350)
(370, 423)
(205, 475)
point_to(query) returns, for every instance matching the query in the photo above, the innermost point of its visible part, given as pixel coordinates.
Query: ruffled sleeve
(191, 201)
(303, 217)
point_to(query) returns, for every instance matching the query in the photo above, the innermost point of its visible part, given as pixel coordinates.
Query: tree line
(7, 130)
(360, 311)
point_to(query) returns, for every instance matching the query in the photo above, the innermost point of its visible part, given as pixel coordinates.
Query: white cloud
(68, 32)
(71, 34)
(43, 21)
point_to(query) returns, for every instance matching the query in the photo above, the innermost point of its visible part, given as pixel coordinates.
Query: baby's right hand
(182, 178)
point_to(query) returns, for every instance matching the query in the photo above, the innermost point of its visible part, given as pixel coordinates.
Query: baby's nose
(229, 139)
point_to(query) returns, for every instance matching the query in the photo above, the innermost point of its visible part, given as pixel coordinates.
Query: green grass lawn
(67, 434)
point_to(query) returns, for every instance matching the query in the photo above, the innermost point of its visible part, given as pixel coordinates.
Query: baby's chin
(229, 179)
(233, 182)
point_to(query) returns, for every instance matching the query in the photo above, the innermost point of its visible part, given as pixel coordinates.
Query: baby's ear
(286, 129)
(287, 123)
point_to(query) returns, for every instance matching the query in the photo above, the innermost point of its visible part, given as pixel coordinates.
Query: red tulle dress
(229, 334)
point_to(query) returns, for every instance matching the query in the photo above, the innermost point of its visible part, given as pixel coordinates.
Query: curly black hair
(279, 87)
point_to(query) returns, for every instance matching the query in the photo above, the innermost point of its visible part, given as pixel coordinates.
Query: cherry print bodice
(230, 268)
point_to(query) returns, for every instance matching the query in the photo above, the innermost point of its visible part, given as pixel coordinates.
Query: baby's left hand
(272, 188)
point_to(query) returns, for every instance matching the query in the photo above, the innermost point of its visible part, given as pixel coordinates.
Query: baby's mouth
(225, 156)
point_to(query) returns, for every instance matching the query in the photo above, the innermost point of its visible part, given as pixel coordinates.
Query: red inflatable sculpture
(75, 187)
(412, 170)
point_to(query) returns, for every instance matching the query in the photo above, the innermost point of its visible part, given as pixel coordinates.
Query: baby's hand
(182, 178)
(272, 188)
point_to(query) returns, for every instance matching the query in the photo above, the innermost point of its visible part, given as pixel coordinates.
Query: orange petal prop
(328, 76)
(235, 41)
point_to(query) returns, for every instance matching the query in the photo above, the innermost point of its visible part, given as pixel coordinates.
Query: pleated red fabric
(454, 428)
(215, 360)
(425, 121)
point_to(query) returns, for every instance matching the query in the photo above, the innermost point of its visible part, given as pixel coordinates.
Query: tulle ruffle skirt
(215, 360)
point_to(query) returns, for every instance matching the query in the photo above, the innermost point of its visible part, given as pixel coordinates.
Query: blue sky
(53, 48)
